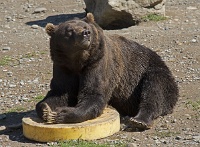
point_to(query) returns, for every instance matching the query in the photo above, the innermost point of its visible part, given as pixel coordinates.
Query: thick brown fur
(92, 69)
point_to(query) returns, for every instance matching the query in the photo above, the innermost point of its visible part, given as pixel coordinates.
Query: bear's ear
(50, 29)
(89, 18)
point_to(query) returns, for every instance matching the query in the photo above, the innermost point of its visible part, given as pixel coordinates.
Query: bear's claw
(51, 117)
(46, 110)
(137, 124)
(48, 114)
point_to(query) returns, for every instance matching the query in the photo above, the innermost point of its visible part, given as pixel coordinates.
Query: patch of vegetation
(5, 60)
(29, 55)
(194, 104)
(166, 134)
(17, 109)
(83, 143)
(39, 97)
(153, 17)
(42, 52)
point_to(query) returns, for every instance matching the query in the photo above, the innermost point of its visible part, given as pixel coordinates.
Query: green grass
(194, 104)
(17, 109)
(153, 17)
(82, 143)
(36, 99)
(5, 60)
(29, 55)
(39, 97)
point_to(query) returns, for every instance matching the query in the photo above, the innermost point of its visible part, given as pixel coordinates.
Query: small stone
(39, 10)
(36, 80)
(163, 141)
(157, 141)
(174, 121)
(191, 8)
(21, 83)
(2, 128)
(178, 138)
(9, 18)
(193, 40)
(188, 116)
(34, 26)
(9, 74)
(196, 139)
(2, 116)
(131, 145)
(24, 98)
(12, 85)
(6, 48)
(155, 137)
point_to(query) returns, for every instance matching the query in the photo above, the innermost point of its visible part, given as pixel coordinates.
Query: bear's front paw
(48, 114)
(66, 115)
(51, 117)
(45, 110)
(60, 118)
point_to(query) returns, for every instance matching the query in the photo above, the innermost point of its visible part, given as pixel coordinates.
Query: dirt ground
(26, 68)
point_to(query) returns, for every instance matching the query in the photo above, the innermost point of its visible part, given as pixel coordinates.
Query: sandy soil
(26, 68)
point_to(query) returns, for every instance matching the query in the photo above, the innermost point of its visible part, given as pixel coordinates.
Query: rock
(12, 85)
(39, 10)
(188, 116)
(155, 137)
(22, 83)
(8, 18)
(191, 8)
(2, 128)
(34, 26)
(178, 137)
(193, 40)
(111, 14)
(9, 74)
(36, 80)
(6, 48)
(196, 139)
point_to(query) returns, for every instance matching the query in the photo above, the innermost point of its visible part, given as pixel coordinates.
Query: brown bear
(92, 69)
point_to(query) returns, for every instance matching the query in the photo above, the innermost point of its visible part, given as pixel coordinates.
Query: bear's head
(72, 40)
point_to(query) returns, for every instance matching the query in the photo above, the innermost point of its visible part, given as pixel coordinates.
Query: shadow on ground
(12, 126)
(56, 19)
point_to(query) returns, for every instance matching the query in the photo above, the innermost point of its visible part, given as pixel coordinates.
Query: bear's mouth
(85, 43)
(84, 40)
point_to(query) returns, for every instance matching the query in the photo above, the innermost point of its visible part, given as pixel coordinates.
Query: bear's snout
(86, 33)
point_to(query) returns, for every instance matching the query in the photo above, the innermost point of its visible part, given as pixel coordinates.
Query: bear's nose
(86, 33)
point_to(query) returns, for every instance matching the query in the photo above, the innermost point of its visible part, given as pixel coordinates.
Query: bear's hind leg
(142, 121)
(158, 96)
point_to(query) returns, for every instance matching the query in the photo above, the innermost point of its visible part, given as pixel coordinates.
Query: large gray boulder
(112, 14)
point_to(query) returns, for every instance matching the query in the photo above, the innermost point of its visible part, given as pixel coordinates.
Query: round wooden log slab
(105, 125)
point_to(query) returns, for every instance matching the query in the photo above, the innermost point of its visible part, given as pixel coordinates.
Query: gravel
(26, 68)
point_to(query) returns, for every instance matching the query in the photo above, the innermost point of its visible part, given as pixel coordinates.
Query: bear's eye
(69, 32)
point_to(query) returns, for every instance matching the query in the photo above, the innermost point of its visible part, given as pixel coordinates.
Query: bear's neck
(76, 63)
